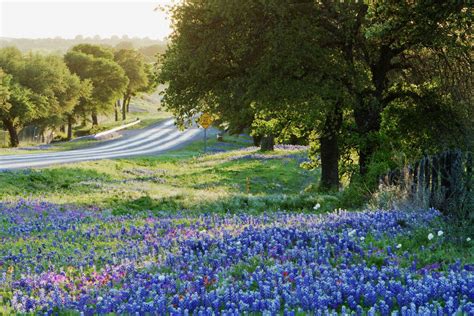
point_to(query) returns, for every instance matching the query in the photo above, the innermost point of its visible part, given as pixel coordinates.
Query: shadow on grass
(240, 203)
(272, 176)
(251, 185)
(25, 182)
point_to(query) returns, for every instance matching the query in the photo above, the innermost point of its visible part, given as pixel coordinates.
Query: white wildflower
(468, 239)
(317, 206)
(161, 277)
(430, 236)
(362, 238)
(352, 233)
(440, 233)
(399, 246)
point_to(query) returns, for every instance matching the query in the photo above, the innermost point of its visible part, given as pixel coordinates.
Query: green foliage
(94, 50)
(427, 122)
(354, 195)
(133, 64)
(415, 247)
(151, 52)
(41, 90)
(139, 74)
(149, 47)
(96, 65)
(17, 105)
(4, 89)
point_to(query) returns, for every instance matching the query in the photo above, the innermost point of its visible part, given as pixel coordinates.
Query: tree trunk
(69, 127)
(329, 163)
(368, 119)
(329, 142)
(256, 140)
(368, 116)
(124, 108)
(95, 120)
(128, 103)
(267, 143)
(117, 109)
(14, 140)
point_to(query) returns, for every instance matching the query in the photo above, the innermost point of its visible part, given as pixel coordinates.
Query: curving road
(152, 140)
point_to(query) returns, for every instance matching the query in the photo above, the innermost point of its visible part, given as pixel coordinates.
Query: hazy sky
(68, 18)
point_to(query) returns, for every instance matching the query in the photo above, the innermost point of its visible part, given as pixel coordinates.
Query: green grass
(231, 180)
(417, 251)
(44, 182)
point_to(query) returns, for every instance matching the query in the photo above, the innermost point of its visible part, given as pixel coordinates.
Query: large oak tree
(336, 67)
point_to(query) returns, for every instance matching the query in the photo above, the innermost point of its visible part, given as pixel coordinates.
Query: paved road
(152, 140)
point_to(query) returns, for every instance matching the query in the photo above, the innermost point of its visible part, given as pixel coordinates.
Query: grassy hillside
(231, 178)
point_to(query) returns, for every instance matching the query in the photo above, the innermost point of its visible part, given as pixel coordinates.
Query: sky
(69, 18)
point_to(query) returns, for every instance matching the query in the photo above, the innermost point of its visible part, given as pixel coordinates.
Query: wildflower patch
(55, 258)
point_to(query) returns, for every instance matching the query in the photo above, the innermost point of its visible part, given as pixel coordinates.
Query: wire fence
(443, 181)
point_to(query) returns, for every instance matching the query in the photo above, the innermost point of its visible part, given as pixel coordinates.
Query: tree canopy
(50, 91)
(36, 85)
(358, 77)
(133, 63)
(108, 79)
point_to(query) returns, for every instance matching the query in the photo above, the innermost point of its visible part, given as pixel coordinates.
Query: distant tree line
(148, 47)
(367, 85)
(53, 91)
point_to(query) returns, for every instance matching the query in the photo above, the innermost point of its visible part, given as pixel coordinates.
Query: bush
(59, 137)
(355, 195)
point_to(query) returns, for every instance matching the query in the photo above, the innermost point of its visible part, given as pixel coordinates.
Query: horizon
(70, 19)
(119, 37)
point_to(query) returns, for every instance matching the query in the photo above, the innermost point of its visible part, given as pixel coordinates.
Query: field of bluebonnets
(56, 259)
(235, 253)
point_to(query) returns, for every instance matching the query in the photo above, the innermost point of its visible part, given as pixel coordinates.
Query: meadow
(233, 231)
(234, 177)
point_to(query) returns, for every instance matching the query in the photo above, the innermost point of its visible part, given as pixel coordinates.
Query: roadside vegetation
(231, 179)
(56, 93)
(146, 108)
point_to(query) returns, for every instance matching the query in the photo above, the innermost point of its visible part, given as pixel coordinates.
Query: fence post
(421, 175)
(446, 174)
(434, 179)
(427, 173)
(469, 172)
(415, 177)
